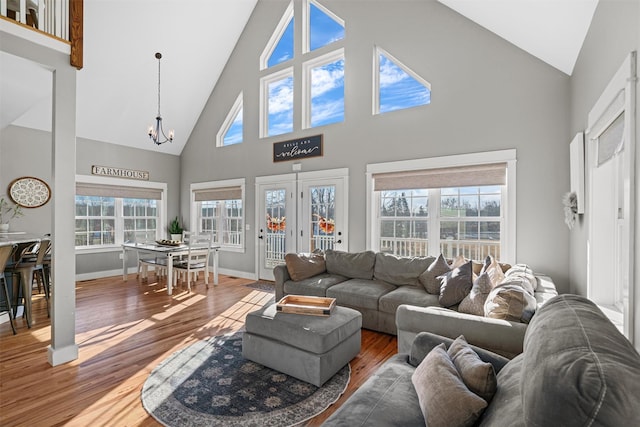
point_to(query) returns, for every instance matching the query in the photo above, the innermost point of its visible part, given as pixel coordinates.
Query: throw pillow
(474, 302)
(444, 399)
(525, 273)
(458, 261)
(478, 376)
(303, 265)
(510, 301)
(455, 285)
(429, 277)
(356, 265)
(494, 270)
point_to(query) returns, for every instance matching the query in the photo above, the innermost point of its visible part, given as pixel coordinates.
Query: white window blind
(104, 190)
(460, 176)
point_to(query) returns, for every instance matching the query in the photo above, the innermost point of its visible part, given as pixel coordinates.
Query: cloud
(327, 78)
(390, 73)
(327, 112)
(281, 96)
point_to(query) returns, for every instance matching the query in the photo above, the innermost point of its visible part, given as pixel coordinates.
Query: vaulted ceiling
(117, 88)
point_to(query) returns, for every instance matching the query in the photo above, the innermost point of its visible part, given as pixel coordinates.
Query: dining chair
(28, 268)
(5, 253)
(145, 260)
(196, 260)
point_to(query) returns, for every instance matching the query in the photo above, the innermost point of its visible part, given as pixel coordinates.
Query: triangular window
(398, 86)
(324, 27)
(280, 47)
(231, 130)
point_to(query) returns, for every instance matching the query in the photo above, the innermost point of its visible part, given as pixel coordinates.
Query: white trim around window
(264, 98)
(228, 122)
(508, 249)
(131, 183)
(307, 69)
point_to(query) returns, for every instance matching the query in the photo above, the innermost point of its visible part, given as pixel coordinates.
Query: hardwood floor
(123, 330)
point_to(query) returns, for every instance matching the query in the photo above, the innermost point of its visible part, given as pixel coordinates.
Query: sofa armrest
(426, 341)
(280, 275)
(499, 336)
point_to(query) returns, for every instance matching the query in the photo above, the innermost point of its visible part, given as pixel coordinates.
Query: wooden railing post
(76, 29)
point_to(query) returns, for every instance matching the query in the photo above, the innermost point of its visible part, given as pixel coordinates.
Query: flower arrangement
(276, 224)
(326, 225)
(9, 211)
(570, 203)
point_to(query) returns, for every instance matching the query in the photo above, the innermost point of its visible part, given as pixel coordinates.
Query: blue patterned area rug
(210, 383)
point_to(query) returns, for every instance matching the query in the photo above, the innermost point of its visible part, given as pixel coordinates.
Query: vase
(4, 227)
(176, 237)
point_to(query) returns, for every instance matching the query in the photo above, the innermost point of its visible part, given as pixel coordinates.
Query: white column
(63, 347)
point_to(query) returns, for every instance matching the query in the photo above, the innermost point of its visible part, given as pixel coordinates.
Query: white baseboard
(118, 272)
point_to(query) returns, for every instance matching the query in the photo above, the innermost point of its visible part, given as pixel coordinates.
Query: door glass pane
(275, 227)
(323, 224)
(611, 140)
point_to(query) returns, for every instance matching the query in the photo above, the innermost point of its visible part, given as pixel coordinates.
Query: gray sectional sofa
(577, 370)
(377, 284)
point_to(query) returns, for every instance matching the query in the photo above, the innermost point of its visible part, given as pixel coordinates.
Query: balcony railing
(62, 19)
(471, 249)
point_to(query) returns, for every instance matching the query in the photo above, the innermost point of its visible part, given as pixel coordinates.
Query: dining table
(169, 252)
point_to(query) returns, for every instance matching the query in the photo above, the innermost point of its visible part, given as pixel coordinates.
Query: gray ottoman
(310, 348)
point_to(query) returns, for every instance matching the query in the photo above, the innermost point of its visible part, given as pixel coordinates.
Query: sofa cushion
(474, 302)
(455, 285)
(359, 293)
(358, 265)
(406, 295)
(478, 376)
(376, 402)
(313, 286)
(594, 369)
(444, 399)
(510, 301)
(505, 409)
(494, 270)
(429, 278)
(304, 265)
(400, 270)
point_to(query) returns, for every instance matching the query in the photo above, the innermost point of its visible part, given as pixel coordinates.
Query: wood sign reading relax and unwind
(301, 148)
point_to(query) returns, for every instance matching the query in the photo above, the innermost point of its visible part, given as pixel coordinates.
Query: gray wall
(486, 95)
(17, 159)
(614, 33)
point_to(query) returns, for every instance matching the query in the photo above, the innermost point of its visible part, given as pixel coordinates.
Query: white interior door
(276, 221)
(611, 215)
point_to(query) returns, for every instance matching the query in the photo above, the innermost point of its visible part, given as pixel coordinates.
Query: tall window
(108, 215)
(455, 210)
(219, 210)
(321, 74)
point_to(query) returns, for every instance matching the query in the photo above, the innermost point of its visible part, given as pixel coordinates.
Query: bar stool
(5, 253)
(28, 268)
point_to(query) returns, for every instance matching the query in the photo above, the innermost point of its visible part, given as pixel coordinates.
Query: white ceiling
(117, 88)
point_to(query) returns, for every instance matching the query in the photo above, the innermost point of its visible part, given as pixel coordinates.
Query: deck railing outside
(471, 249)
(48, 16)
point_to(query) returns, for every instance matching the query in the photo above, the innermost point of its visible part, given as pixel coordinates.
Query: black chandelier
(157, 133)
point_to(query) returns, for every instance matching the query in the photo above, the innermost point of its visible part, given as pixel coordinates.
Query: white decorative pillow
(522, 272)
(444, 399)
(494, 270)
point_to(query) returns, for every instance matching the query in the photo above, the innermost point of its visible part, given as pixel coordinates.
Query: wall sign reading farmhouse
(301, 148)
(119, 172)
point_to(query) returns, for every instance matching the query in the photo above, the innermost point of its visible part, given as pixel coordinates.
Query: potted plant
(175, 229)
(8, 211)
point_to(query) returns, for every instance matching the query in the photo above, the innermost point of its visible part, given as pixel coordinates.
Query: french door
(300, 213)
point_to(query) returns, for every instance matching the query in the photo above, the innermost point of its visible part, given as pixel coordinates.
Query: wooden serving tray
(301, 304)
